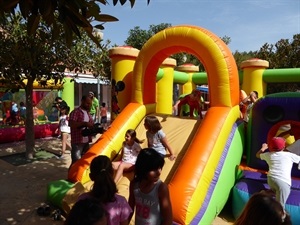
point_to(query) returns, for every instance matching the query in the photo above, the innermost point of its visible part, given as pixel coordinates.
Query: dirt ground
(24, 187)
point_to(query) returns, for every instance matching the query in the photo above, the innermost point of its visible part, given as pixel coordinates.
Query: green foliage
(33, 46)
(283, 54)
(242, 56)
(137, 37)
(24, 56)
(40, 57)
(284, 87)
(89, 58)
(226, 40)
(73, 15)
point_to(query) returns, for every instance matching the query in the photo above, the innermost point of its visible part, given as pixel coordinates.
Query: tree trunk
(29, 123)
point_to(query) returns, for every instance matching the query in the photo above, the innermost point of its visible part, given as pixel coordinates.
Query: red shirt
(77, 115)
(192, 102)
(103, 111)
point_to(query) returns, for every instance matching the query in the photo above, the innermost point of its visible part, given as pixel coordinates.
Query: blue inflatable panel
(252, 182)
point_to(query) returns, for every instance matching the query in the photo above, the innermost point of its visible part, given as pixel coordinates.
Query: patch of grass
(19, 159)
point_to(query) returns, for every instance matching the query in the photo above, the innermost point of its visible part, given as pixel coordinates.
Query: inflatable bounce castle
(209, 167)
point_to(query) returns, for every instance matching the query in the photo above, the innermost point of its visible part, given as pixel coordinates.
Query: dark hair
(67, 108)
(57, 99)
(22, 104)
(196, 93)
(101, 172)
(152, 124)
(85, 97)
(147, 160)
(132, 134)
(262, 209)
(103, 104)
(86, 211)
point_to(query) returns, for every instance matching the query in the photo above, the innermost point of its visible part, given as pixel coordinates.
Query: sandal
(44, 210)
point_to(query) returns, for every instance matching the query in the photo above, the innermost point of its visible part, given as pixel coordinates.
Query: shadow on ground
(24, 182)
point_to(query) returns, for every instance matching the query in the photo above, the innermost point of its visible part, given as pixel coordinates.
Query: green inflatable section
(56, 191)
(225, 182)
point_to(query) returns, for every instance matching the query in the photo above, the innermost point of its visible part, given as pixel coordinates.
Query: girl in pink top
(105, 190)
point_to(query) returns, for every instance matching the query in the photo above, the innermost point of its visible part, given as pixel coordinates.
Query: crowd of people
(149, 196)
(145, 163)
(146, 186)
(77, 123)
(103, 205)
(15, 114)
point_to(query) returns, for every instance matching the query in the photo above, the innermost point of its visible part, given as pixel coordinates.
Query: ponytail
(104, 187)
(138, 140)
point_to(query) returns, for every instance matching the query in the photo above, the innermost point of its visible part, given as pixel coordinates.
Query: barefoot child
(156, 137)
(130, 149)
(64, 128)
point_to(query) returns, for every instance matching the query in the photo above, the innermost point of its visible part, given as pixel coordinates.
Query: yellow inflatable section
(203, 175)
(210, 49)
(223, 82)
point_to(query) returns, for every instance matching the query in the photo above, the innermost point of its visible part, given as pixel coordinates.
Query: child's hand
(264, 147)
(172, 157)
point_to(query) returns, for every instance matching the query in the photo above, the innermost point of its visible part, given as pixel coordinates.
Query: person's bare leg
(122, 167)
(68, 144)
(64, 140)
(116, 164)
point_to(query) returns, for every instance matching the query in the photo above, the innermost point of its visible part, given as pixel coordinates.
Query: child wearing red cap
(280, 164)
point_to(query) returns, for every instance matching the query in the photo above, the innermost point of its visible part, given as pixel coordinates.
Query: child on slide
(157, 138)
(130, 150)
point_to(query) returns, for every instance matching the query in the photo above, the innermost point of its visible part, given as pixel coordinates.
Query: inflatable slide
(209, 151)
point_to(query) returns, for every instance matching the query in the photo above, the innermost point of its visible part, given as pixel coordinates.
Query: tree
(137, 37)
(242, 56)
(90, 58)
(295, 51)
(283, 54)
(39, 57)
(32, 47)
(72, 14)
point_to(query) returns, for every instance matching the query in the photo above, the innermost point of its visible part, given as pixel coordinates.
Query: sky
(249, 23)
